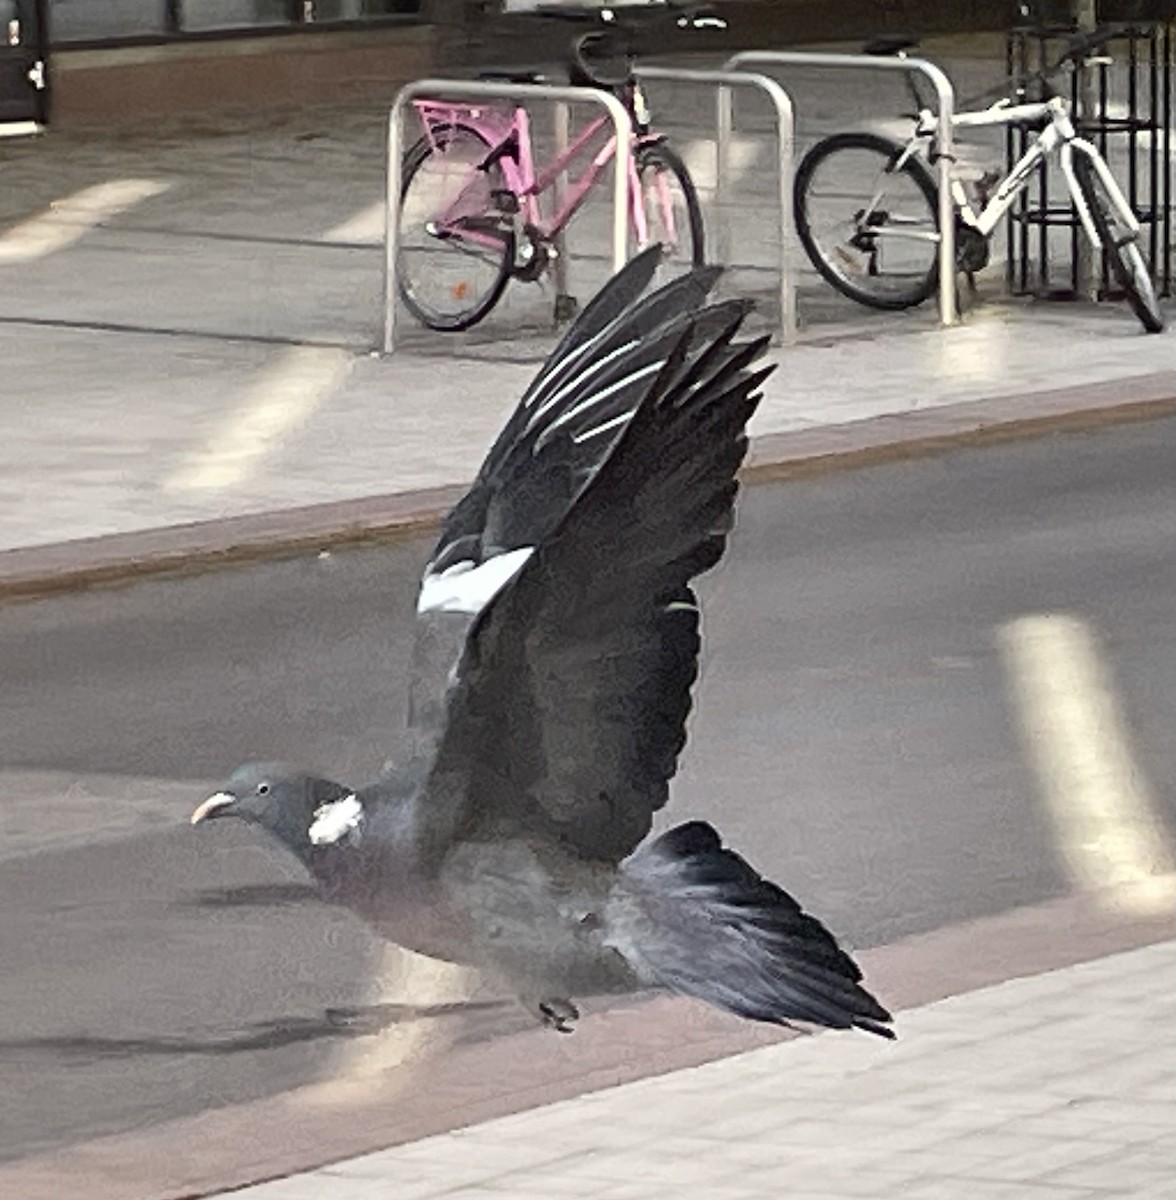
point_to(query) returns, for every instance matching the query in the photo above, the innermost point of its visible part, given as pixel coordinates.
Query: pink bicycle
(471, 211)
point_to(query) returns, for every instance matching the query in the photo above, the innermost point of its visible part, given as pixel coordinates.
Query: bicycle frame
(509, 138)
(1058, 136)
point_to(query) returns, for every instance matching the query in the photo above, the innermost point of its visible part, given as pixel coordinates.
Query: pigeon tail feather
(692, 916)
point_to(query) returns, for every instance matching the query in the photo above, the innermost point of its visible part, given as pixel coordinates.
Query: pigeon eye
(263, 789)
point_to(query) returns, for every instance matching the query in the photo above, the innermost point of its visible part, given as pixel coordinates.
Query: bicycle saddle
(891, 43)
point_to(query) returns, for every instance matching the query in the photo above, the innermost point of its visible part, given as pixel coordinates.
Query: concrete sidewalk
(1060, 1086)
(119, 434)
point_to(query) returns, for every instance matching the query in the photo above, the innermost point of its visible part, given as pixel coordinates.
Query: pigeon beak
(214, 806)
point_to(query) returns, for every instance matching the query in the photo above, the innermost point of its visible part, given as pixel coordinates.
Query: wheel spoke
(869, 229)
(455, 255)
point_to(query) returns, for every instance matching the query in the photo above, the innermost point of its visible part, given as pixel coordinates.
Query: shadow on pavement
(335, 1023)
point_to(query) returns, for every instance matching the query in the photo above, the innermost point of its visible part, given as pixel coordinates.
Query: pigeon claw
(559, 1014)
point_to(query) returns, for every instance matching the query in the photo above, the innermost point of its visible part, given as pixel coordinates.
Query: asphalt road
(853, 734)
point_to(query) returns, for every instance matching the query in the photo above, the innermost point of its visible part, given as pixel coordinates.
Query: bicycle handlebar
(617, 35)
(1079, 46)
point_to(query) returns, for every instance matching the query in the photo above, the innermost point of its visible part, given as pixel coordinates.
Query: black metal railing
(1122, 101)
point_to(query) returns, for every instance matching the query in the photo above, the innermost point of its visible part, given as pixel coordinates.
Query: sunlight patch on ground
(281, 396)
(68, 220)
(1080, 749)
(384, 1063)
(365, 226)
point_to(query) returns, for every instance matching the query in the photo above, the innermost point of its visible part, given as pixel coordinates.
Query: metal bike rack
(470, 89)
(782, 107)
(946, 157)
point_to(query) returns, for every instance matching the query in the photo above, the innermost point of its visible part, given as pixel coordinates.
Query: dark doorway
(23, 80)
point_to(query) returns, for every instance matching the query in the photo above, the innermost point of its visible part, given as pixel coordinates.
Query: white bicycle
(866, 206)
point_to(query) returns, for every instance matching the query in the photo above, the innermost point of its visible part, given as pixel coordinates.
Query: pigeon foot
(559, 1014)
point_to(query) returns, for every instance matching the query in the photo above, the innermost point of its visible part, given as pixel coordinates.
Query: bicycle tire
(655, 161)
(1122, 252)
(852, 255)
(451, 269)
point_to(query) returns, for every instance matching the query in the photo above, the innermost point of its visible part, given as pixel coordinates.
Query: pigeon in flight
(557, 644)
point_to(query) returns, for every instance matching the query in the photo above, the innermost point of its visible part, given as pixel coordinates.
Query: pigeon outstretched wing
(564, 715)
(563, 428)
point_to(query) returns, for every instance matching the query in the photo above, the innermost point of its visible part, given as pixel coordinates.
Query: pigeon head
(282, 801)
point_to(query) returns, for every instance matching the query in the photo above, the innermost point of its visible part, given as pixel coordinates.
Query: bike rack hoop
(479, 89)
(946, 143)
(782, 107)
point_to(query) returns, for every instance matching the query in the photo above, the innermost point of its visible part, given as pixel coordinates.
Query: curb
(36, 572)
(919, 433)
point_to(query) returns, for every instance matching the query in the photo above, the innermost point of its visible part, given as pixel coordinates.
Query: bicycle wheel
(669, 200)
(1120, 245)
(869, 229)
(456, 249)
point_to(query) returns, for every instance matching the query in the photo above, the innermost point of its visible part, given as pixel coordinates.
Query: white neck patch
(336, 821)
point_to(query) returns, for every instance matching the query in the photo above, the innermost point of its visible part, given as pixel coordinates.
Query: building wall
(317, 65)
(143, 83)
(93, 21)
